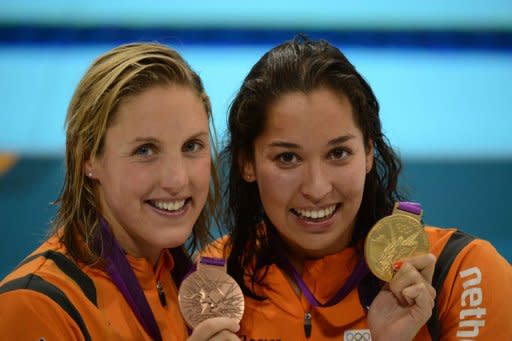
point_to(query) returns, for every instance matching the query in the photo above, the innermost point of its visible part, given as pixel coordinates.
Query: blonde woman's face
(153, 175)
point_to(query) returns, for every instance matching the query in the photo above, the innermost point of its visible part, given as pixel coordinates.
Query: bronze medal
(210, 292)
(392, 238)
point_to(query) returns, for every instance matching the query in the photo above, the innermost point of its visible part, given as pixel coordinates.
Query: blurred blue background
(441, 71)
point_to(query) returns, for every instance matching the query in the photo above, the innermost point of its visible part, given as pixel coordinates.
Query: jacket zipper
(307, 314)
(307, 325)
(161, 294)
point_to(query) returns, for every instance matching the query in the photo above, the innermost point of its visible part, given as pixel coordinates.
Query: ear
(247, 170)
(89, 167)
(369, 156)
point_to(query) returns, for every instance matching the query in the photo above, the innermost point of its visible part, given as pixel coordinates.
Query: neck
(297, 260)
(298, 256)
(150, 253)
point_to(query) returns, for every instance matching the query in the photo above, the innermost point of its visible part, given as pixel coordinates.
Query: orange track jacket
(475, 302)
(50, 297)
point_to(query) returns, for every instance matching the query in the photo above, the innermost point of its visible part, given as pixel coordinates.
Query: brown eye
(338, 154)
(287, 157)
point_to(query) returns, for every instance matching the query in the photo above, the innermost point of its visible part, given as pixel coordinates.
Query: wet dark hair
(300, 65)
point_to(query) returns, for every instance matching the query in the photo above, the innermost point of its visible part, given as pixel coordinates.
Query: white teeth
(317, 214)
(169, 205)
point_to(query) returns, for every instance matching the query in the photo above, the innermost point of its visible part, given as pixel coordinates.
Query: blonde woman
(137, 186)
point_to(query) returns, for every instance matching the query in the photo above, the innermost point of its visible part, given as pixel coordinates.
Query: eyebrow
(153, 140)
(144, 139)
(199, 134)
(335, 141)
(341, 139)
(283, 144)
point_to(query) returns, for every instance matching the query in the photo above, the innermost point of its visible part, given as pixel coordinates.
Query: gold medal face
(392, 238)
(207, 293)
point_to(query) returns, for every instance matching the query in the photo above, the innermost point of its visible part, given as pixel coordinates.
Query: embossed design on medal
(394, 237)
(210, 292)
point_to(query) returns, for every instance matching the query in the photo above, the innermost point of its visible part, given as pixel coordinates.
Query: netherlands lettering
(472, 314)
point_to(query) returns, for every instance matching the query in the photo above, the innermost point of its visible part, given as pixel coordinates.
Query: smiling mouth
(172, 206)
(316, 215)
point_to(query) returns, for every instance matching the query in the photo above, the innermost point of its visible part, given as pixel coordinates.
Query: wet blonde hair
(122, 72)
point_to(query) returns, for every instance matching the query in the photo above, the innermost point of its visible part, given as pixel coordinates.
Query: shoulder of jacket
(218, 248)
(50, 271)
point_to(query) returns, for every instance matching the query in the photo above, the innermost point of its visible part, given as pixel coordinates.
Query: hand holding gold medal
(397, 236)
(210, 292)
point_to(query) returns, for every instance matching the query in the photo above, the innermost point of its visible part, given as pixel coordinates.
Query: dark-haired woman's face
(310, 165)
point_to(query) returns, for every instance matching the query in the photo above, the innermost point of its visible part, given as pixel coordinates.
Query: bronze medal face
(392, 238)
(210, 292)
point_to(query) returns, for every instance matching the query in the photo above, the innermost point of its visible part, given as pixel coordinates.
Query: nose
(316, 183)
(174, 177)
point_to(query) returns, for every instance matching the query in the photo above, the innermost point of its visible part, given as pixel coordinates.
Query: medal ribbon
(409, 206)
(212, 261)
(121, 273)
(351, 283)
(203, 260)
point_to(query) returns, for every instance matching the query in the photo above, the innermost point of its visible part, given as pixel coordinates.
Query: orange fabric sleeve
(476, 300)
(29, 315)
(216, 249)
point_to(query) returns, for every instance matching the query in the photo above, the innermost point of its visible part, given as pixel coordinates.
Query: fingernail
(397, 265)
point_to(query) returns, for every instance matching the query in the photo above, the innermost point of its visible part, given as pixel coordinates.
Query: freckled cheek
(199, 174)
(137, 178)
(277, 186)
(138, 183)
(351, 183)
(141, 175)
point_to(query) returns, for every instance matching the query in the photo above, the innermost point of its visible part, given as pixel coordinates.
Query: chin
(173, 239)
(321, 249)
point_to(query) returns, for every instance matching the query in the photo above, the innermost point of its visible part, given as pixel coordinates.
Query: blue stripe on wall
(67, 35)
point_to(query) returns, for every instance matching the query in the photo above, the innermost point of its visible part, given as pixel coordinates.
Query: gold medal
(210, 292)
(392, 238)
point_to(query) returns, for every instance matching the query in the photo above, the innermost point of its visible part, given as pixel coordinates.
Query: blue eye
(144, 150)
(193, 146)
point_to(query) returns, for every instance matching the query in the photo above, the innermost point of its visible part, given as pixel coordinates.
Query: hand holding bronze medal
(397, 236)
(210, 292)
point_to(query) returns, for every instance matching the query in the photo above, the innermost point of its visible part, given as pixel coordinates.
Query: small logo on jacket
(357, 335)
